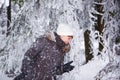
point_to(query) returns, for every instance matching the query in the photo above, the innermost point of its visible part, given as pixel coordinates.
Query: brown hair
(66, 48)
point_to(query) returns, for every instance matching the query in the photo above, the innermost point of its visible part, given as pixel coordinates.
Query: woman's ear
(67, 48)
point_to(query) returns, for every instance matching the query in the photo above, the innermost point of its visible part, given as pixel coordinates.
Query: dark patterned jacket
(44, 59)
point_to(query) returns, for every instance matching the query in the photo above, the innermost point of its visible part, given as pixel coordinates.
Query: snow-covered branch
(103, 3)
(4, 3)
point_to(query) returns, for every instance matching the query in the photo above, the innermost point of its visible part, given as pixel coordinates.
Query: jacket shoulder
(41, 39)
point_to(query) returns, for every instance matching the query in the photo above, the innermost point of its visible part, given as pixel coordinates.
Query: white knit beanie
(64, 29)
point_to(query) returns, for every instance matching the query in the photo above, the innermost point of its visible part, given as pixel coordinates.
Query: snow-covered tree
(95, 24)
(111, 37)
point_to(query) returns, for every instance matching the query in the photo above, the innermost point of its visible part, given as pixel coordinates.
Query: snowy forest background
(95, 47)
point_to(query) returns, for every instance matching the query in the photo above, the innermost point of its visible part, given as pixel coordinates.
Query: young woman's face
(66, 39)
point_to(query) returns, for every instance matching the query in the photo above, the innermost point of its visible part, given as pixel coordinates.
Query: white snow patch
(4, 2)
(87, 71)
(4, 77)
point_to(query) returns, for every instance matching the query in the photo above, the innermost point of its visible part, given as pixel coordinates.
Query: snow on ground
(83, 72)
(87, 71)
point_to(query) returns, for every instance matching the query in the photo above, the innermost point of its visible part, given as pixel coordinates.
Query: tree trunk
(88, 52)
(8, 18)
(100, 23)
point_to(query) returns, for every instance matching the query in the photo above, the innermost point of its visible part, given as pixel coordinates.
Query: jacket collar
(59, 42)
(53, 36)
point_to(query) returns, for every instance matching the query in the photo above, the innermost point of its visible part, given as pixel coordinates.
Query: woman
(44, 60)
